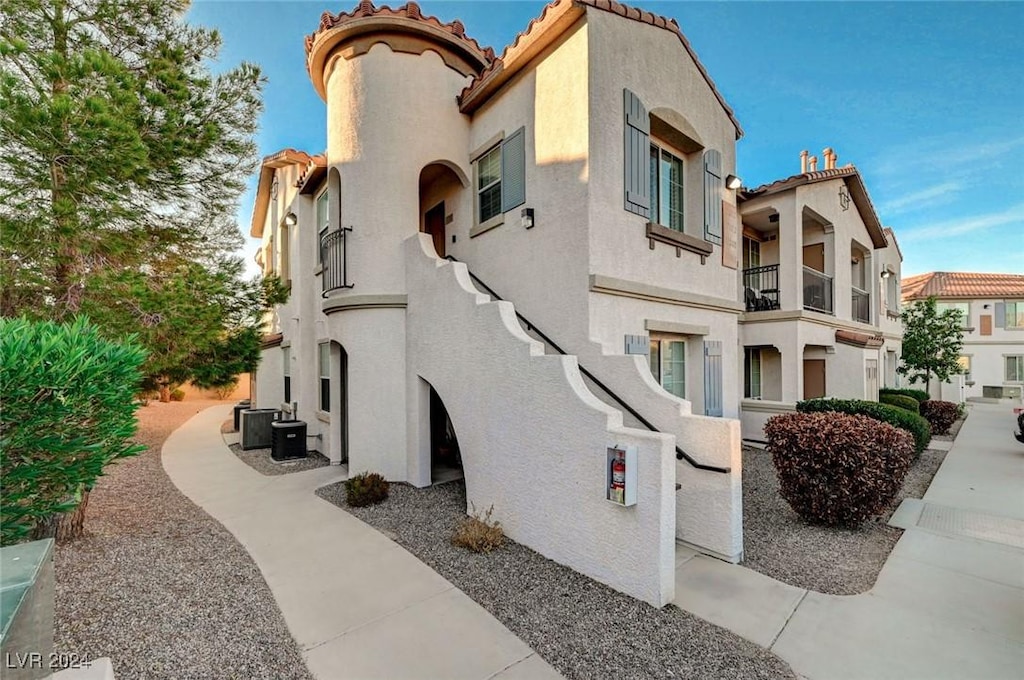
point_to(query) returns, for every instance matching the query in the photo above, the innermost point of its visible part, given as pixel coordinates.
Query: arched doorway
(445, 455)
(439, 186)
(334, 394)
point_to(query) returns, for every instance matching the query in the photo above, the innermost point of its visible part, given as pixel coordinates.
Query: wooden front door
(814, 378)
(433, 224)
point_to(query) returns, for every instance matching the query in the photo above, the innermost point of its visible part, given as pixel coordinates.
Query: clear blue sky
(926, 99)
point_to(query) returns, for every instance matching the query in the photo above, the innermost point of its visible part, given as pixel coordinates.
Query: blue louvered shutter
(513, 170)
(1000, 315)
(637, 158)
(713, 196)
(713, 377)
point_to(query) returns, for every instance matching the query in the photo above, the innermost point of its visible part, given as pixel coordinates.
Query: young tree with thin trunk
(932, 341)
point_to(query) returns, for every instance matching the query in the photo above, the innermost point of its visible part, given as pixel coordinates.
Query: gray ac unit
(256, 430)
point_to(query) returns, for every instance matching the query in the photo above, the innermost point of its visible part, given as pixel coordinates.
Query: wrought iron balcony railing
(334, 259)
(861, 305)
(761, 288)
(817, 291)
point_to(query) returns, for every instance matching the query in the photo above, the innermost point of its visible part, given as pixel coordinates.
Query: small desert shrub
(912, 423)
(177, 395)
(478, 533)
(837, 469)
(918, 395)
(940, 414)
(901, 401)
(366, 488)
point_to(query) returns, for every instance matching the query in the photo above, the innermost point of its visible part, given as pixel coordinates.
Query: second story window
(666, 189)
(488, 184)
(963, 308)
(322, 222)
(1015, 314)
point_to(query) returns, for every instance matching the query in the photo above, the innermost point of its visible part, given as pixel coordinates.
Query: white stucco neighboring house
(992, 309)
(819, 281)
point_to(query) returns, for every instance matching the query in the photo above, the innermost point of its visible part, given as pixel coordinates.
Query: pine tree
(932, 341)
(122, 162)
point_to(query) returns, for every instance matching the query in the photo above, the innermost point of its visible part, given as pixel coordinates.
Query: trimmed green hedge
(919, 395)
(901, 401)
(917, 426)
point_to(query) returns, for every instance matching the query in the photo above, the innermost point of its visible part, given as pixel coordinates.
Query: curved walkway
(359, 605)
(949, 602)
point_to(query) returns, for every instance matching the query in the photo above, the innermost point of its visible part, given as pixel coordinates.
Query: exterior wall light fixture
(886, 274)
(527, 218)
(733, 182)
(290, 219)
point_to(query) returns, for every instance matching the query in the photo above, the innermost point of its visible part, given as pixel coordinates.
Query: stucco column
(792, 350)
(790, 256)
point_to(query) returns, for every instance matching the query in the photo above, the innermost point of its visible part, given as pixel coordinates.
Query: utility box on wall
(620, 475)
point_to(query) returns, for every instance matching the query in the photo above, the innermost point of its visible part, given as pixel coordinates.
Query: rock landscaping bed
(581, 627)
(159, 586)
(260, 461)
(779, 544)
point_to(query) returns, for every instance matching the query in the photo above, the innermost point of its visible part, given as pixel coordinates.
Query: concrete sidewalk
(949, 602)
(358, 604)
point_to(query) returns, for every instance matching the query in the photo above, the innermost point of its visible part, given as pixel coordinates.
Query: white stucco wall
(533, 439)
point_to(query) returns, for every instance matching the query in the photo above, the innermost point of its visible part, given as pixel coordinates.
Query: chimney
(828, 158)
(813, 164)
(803, 161)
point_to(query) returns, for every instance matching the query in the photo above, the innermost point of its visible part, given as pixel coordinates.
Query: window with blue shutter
(637, 156)
(513, 170)
(713, 196)
(713, 377)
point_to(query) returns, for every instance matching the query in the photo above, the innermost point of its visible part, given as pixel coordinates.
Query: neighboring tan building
(820, 289)
(992, 308)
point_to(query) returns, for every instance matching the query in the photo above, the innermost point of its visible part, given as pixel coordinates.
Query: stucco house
(516, 267)
(820, 277)
(992, 309)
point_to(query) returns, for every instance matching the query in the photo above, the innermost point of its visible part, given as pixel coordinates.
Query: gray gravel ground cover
(260, 461)
(160, 586)
(581, 627)
(776, 542)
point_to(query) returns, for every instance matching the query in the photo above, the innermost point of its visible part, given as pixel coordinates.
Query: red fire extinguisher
(618, 486)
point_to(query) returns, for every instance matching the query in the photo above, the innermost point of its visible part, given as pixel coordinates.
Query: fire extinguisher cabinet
(621, 475)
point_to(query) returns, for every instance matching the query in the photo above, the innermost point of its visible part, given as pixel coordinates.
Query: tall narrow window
(752, 373)
(666, 189)
(1015, 368)
(668, 365)
(325, 376)
(322, 221)
(488, 184)
(751, 253)
(286, 356)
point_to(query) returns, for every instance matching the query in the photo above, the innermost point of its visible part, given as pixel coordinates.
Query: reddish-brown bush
(940, 414)
(837, 469)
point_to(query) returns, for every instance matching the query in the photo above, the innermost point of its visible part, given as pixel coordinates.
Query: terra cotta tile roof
(962, 285)
(411, 10)
(552, 12)
(314, 169)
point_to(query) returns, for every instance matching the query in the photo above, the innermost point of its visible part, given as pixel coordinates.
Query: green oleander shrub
(901, 401)
(919, 395)
(366, 488)
(68, 412)
(940, 414)
(917, 426)
(837, 469)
